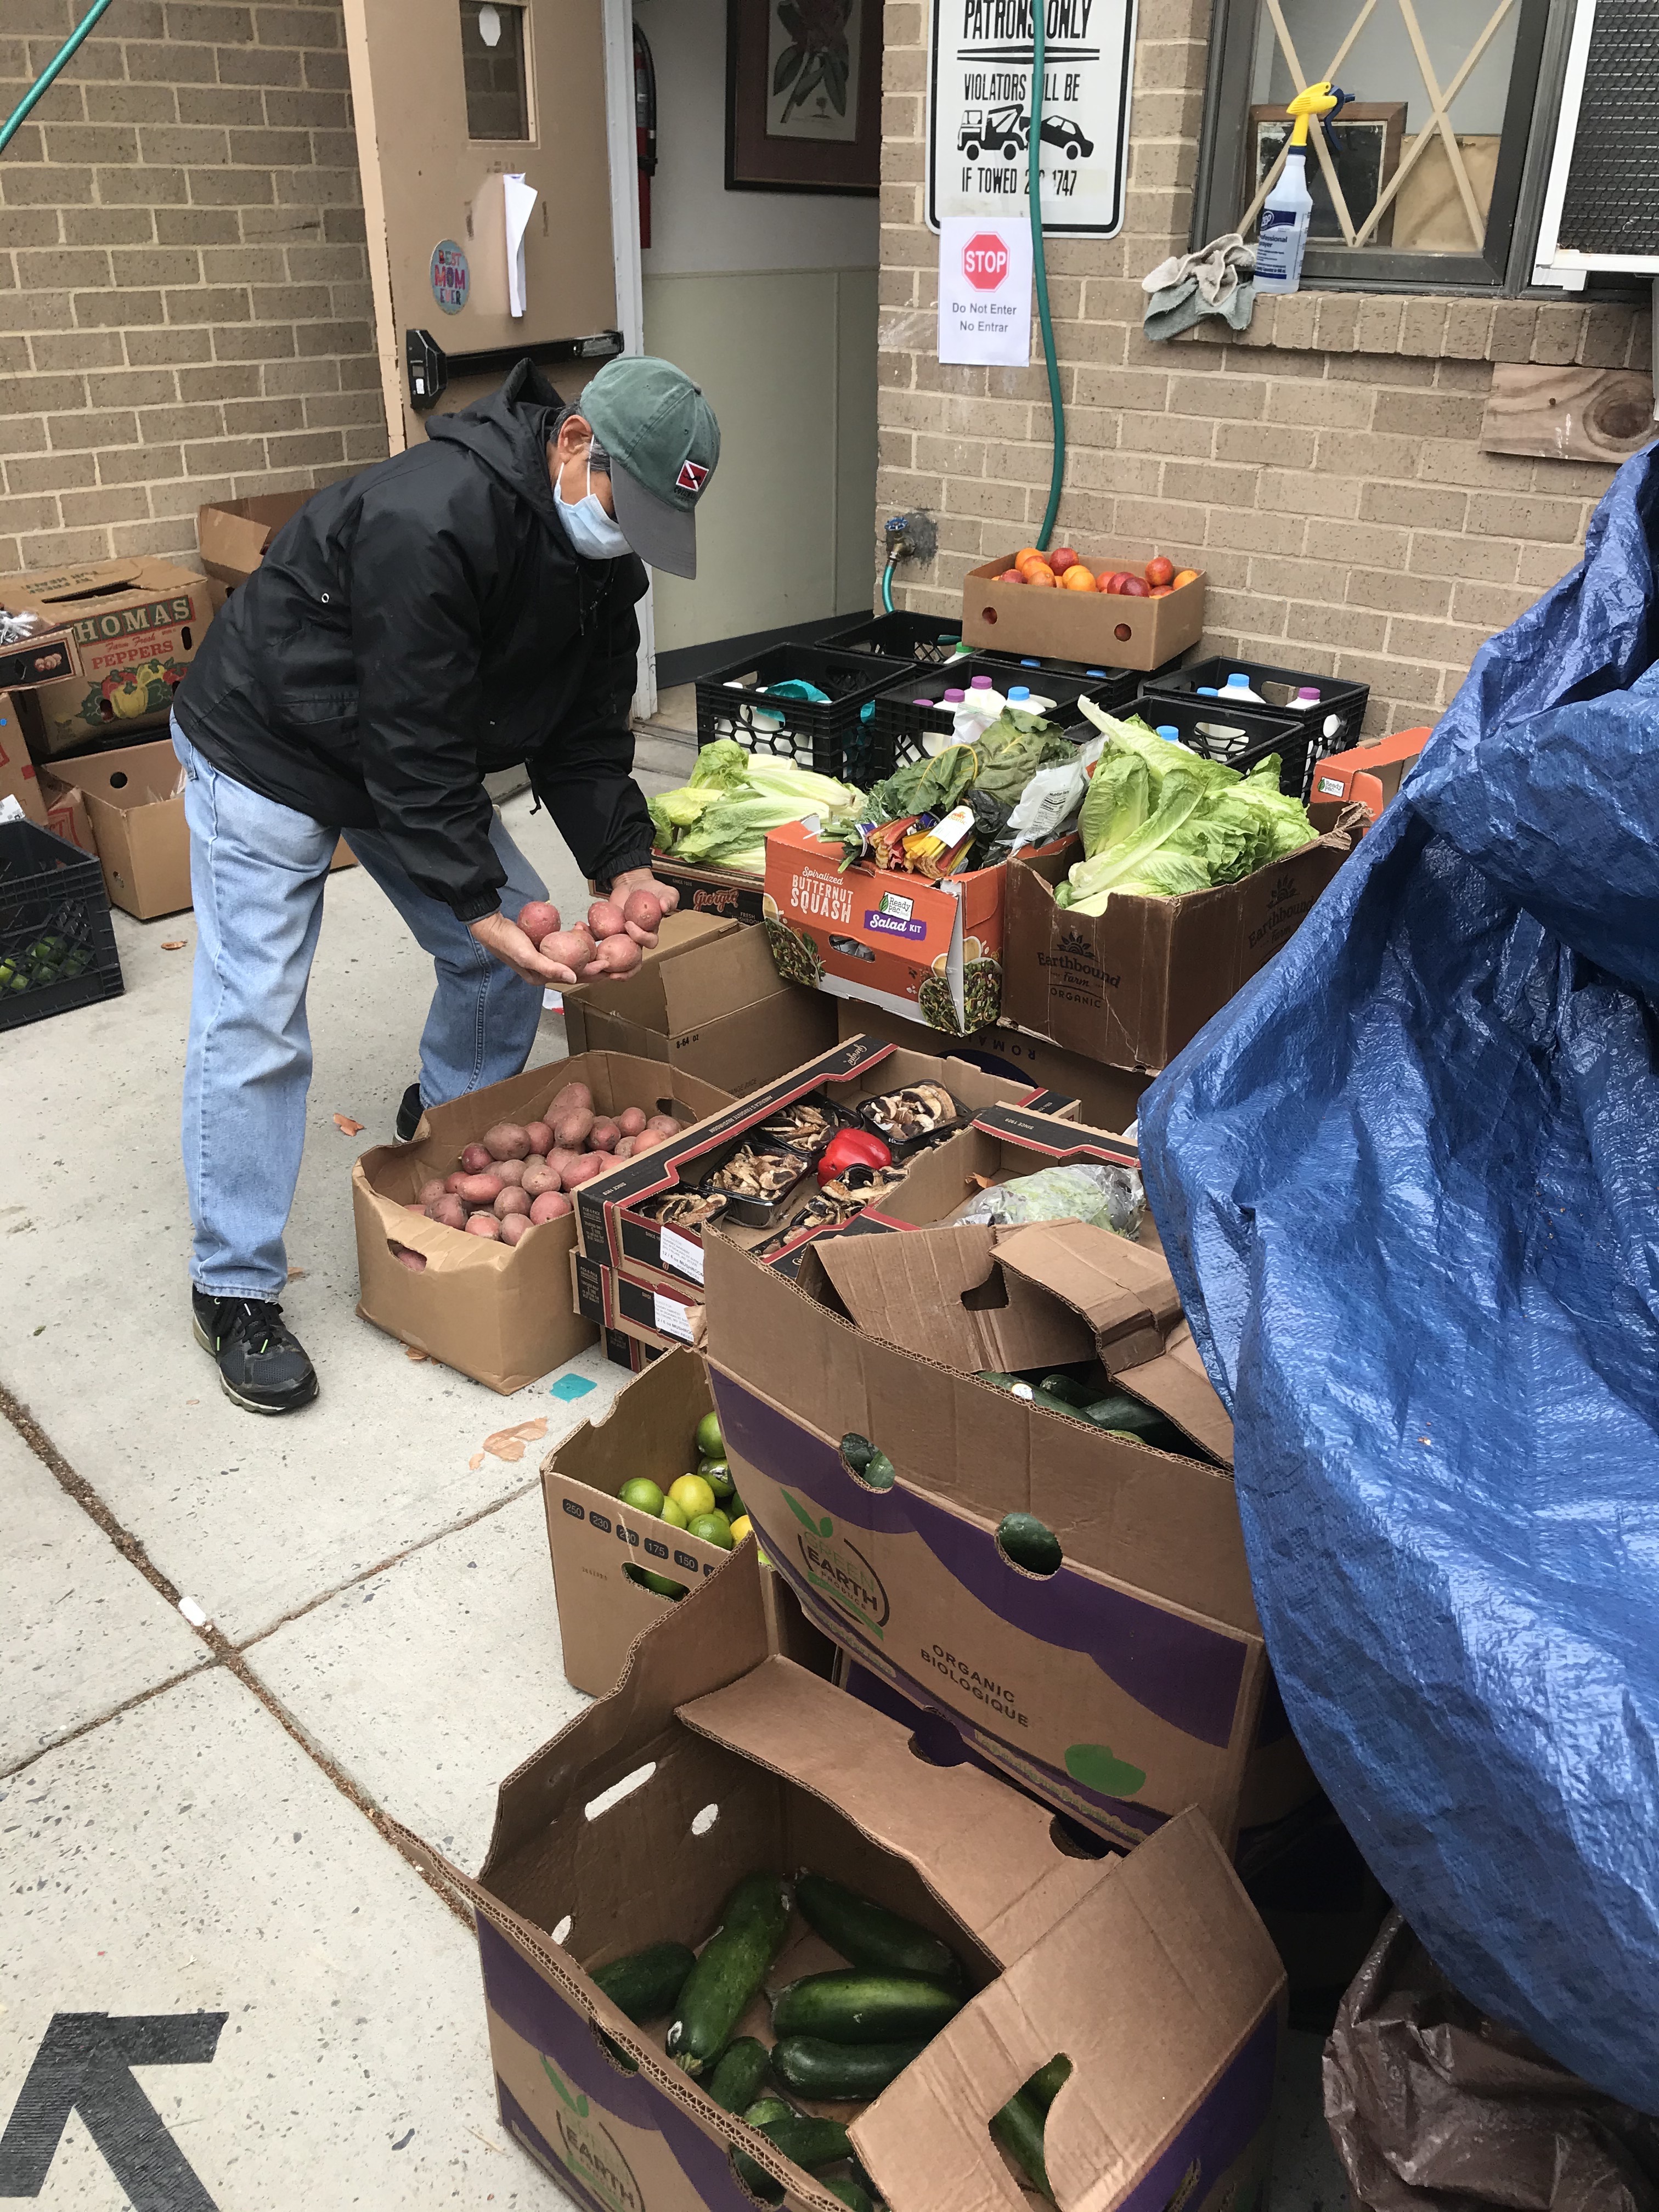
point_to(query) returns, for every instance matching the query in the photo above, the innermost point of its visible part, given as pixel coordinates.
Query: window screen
(492, 54)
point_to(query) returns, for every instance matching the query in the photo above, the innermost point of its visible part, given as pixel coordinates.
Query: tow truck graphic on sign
(980, 112)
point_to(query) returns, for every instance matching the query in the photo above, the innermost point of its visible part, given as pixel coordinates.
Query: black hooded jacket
(418, 625)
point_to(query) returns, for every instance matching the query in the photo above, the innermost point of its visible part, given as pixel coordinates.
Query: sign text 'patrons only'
(979, 111)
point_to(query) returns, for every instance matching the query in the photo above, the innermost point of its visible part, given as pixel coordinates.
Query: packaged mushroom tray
(803, 1156)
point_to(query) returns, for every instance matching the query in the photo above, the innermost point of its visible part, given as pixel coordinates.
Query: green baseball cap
(664, 444)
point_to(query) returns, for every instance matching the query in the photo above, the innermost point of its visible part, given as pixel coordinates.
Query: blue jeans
(257, 874)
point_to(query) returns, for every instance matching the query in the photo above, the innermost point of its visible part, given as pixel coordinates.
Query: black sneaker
(261, 1364)
(410, 1113)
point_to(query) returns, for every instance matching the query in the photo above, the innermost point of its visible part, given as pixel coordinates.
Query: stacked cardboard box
(715, 1758)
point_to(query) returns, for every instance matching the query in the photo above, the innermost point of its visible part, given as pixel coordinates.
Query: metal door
(451, 99)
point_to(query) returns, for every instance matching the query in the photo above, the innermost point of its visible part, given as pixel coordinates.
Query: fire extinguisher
(645, 127)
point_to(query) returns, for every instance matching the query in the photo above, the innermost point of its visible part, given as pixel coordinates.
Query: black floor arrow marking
(84, 2064)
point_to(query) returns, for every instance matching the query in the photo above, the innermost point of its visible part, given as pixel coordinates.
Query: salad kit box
(1120, 1685)
(928, 951)
(1135, 984)
(715, 1759)
(642, 1217)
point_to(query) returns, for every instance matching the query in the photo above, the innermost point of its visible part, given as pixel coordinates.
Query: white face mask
(588, 528)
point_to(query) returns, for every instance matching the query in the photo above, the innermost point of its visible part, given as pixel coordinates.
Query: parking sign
(979, 110)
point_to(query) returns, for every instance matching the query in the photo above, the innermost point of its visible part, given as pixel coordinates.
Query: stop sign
(985, 260)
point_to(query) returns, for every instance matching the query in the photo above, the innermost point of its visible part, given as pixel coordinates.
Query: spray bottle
(1282, 236)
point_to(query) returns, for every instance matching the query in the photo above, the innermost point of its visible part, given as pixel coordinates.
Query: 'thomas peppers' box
(618, 1226)
(708, 999)
(134, 626)
(1123, 1686)
(1135, 984)
(929, 952)
(499, 1313)
(713, 1760)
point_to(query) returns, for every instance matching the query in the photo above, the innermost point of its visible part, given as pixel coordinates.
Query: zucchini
(855, 2007)
(1018, 2128)
(729, 1972)
(646, 1984)
(811, 2142)
(851, 2072)
(765, 2109)
(869, 1464)
(1030, 1543)
(1062, 1386)
(1127, 1417)
(736, 2081)
(850, 2194)
(1045, 2085)
(869, 1935)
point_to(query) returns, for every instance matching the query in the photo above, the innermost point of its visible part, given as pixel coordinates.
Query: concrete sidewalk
(189, 1814)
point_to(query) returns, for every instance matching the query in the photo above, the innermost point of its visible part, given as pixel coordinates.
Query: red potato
(643, 911)
(664, 1125)
(453, 1181)
(413, 1205)
(615, 957)
(449, 1212)
(602, 1137)
(481, 1189)
(631, 1121)
(571, 1127)
(605, 919)
(559, 1160)
(515, 1226)
(407, 1257)
(537, 920)
(571, 948)
(507, 1140)
(511, 1202)
(551, 1206)
(538, 1180)
(435, 1189)
(585, 1169)
(477, 1159)
(510, 1171)
(626, 1147)
(540, 1136)
(573, 1094)
(484, 1225)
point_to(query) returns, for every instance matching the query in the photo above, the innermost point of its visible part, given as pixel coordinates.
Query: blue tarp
(1408, 1180)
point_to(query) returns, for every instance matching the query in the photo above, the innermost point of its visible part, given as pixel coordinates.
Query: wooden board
(1568, 414)
(426, 182)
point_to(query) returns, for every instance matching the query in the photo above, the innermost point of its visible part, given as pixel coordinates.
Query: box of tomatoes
(1123, 611)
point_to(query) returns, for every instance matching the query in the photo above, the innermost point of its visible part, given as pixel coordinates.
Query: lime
(718, 1475)
(673, 1513)
(711, 1444)
(742, 1527)
(713, 1528)
(692, 1495)
(661, 1583)
(642, 1494)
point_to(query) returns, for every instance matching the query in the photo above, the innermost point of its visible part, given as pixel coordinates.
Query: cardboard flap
(1150, 1985)
(1125, 1294)
(1176, 1384)
(986, 1851)
(724, 982)
(941, 1294)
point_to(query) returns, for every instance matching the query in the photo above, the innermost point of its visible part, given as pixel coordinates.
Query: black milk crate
(1111, 689)
(905, 718)
(57, 941)
(930, 639)
(834, 738)
(1333, 724)
(1241, 736)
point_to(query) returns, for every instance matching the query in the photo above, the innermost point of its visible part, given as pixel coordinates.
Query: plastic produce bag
(1436, 2108)
(1106, 1198)
(1049, 804)
(1408, 1183)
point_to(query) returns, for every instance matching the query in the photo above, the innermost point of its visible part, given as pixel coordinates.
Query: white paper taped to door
(520, 198)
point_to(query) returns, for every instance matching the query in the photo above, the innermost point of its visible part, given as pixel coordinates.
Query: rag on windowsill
(1217, 280)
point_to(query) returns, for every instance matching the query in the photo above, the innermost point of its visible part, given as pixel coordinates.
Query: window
(1433, 177)
(492, 58)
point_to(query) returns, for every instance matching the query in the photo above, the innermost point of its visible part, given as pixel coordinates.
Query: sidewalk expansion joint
(219, 1646)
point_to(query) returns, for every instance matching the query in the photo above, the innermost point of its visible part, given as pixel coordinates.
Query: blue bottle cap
(1208, 691)
(1087, 671)
(1026, 662)
(1168, 730)
(1238, 681)
(1019, 691)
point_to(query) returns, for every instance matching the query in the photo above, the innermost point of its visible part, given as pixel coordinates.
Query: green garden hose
(1040, 269)
(48, 77)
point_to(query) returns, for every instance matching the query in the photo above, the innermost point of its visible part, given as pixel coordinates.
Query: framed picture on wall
(1365, 141)
(803, 96)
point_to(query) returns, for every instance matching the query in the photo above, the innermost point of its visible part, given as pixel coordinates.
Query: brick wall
(1324, 471)
(185, 307)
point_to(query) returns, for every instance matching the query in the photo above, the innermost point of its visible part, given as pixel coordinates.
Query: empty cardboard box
(232, 535)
